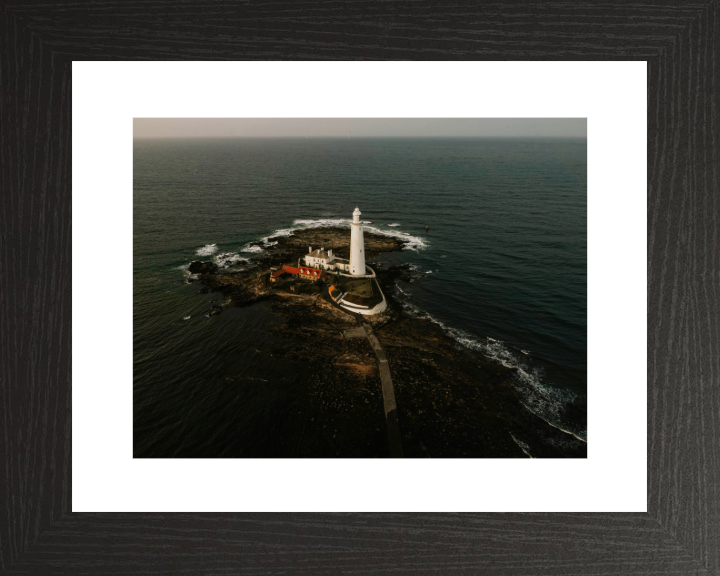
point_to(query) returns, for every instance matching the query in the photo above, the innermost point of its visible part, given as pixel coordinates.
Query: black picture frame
(680, 533)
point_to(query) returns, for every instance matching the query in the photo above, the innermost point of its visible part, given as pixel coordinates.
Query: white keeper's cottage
(324, 259)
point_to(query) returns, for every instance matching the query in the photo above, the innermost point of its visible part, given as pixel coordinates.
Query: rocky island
(451, 401)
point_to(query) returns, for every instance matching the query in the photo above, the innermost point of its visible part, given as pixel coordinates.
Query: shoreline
(451, 401)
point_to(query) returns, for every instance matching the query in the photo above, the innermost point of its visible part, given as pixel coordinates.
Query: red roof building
(284, 270)
(303, 272)
(310, 273)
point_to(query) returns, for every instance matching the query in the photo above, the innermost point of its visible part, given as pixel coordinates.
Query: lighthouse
(357, 245)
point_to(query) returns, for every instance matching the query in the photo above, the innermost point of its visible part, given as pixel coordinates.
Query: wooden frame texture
(680, 533)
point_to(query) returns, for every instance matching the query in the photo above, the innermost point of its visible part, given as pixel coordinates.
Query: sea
(497, 238)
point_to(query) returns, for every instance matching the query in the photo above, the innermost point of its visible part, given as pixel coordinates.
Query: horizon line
(344, 137)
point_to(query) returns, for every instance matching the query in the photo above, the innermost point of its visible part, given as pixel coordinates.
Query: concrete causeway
(391, 417)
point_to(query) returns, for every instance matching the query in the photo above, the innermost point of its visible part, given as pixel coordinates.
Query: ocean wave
(228, 259)
(278, 234)
(543, 400)
(411, 242)
(322, 223)
(186, 273)
(411, 309)
(252, 249)
(207, 250)
(224, 259)
(395, 224)
(579, 434)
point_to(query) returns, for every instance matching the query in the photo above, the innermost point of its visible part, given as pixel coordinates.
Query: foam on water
(186, 273)
(226, 259)
(411, 242)
(207, 250)
(543, 400)
(524, 447)
(252, 249)
(546, 402)
(395, 224)
(322, 223)
(278, 234)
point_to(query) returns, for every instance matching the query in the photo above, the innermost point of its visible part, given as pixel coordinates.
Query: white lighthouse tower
(357, 246)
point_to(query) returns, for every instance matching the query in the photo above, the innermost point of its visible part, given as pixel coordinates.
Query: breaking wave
(411, 242)
(546, 402)
(228, 259)
(253, 249)
(207, 250)
(224, 259)
(396, 224)
(186, 273)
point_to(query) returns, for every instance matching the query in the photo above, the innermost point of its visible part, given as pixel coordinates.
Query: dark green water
(503, 267)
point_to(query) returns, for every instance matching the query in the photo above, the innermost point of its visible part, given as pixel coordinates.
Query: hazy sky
(358, 127)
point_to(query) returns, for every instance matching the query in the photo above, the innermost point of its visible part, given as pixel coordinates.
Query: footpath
(391, 417)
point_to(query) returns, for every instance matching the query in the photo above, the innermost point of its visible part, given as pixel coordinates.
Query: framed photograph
(446, 319)
(101, 475)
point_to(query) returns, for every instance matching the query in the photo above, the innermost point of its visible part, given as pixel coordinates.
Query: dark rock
(198, 267)
(451, 401)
